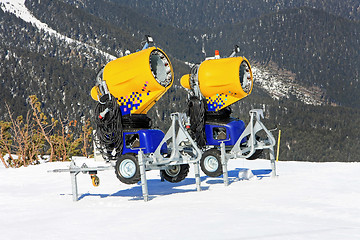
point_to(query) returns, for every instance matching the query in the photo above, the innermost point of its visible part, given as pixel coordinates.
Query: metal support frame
(238, 151)
(180, 142)
(255, 125)
(144, 187)
(224, 164)
(75, 170)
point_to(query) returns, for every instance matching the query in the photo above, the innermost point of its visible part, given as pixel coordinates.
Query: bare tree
(44, 126)
(86, 137)
(26, 140)
(34, 135)
(5, 142)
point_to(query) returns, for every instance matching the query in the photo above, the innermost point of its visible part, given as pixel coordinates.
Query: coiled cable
(196, 112)
(109, 129)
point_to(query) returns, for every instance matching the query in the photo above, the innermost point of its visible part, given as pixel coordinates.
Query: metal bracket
(75, 170)
(177, 138)
(255, 125)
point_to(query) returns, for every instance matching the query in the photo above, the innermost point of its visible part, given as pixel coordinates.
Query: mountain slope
(35, 61)
(198, 14)
(288, 49)
(325, 46)
(177, 42)
(320, 49)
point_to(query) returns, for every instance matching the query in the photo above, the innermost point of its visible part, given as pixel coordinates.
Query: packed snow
(306, 201)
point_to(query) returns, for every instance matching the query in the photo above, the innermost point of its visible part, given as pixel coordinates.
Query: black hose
(109, 129)
(196, 112)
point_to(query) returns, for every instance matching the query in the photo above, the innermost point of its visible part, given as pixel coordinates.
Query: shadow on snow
(158, 188)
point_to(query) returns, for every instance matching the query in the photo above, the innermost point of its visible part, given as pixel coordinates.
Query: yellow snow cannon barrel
(139, 79)
(223, 81)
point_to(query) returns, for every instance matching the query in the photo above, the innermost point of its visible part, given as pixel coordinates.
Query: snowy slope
(307, 201)
(281, 86)
(18, 8)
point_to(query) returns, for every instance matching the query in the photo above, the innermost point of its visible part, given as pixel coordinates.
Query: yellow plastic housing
(95, 93)
(223, 81)
(138, 80)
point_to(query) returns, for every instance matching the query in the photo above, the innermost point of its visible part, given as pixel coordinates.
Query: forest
(318, 48)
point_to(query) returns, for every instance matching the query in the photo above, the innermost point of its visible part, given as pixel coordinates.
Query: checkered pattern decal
(218, 101)
(132, 101)
(215, 103)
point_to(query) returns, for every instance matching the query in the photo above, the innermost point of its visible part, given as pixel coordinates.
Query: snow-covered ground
(306, 201)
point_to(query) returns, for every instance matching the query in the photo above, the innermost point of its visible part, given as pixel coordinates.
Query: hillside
(320, 49)
(304, 60)
(326, 46)
(198, 14)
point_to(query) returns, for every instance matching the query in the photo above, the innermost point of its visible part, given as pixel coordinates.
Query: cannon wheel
(95, 180)
(127, 169)
(210, 163)
(175, 173)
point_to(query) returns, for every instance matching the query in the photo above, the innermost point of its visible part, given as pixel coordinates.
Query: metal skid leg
(74, 186)
(74, 181)
(197, 176)
(273, 163)
(143, 177)
(224, 164)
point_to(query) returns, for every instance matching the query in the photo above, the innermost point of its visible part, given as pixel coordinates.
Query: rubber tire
(95, 180)
(215, 153)
(184, 170)
(256, 154)
(127, 180)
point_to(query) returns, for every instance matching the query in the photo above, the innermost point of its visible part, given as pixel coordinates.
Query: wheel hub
(211, 164)
(173, 171)
(127, 168)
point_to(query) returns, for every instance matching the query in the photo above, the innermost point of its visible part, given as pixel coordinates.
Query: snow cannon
(222, 81)
(212, 87)
(137, 80)
(125, 91)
